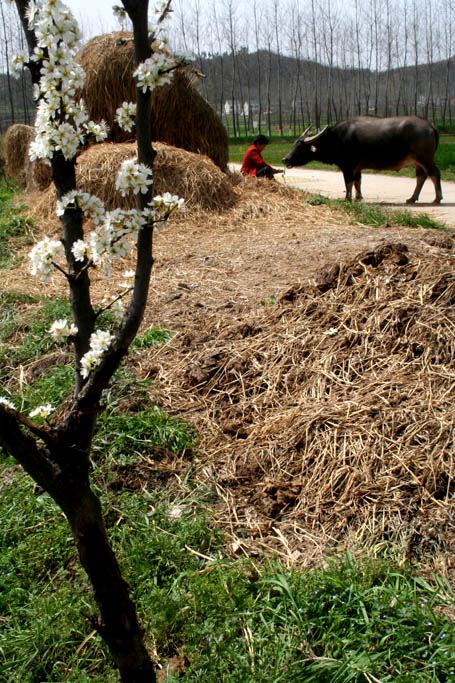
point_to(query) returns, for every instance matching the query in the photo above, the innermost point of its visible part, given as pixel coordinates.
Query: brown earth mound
(327, 419)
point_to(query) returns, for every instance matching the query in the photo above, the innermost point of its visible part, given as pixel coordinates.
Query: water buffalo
(376, 143)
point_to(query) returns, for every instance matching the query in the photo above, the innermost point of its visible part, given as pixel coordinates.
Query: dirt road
(388, 190)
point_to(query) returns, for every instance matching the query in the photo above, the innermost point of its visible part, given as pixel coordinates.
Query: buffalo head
(303, 150)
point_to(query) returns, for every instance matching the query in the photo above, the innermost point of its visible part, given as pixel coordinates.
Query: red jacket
(252, 161)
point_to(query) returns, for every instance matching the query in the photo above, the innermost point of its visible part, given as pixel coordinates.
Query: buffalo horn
(313, 138)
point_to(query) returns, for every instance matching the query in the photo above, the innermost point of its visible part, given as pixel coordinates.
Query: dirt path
(389, 191)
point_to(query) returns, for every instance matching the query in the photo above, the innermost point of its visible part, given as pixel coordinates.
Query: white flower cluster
(43, 411)
(169, 202)
(116, 302)
(6, 402)
(110, 239)
(157, 28)
(133, 176)
(99, 343)
(42, 257)
(61, 123)
(154, 72)
(100, 131)
(125, 115)
(60, 330)
(91, 206)
(17, 63)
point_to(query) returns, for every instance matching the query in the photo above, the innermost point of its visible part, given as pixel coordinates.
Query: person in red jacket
(253, 163)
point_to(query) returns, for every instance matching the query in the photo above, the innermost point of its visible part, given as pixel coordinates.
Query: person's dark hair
(260, 140)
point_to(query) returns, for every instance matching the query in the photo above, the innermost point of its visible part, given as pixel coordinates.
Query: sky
(94, 16)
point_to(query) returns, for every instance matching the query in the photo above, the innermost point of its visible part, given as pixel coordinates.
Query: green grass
(377, 216)
(24, 332)
(15, 228)
(229, 620)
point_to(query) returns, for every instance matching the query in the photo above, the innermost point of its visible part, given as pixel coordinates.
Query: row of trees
(16, 101)
(281, 64)
(284, 63)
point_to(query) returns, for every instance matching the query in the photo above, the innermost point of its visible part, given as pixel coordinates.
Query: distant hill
(283, 87)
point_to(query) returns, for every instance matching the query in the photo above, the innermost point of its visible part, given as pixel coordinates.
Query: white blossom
(42, 411)
(99, 343)
(89, 362)
(6, 402)
(60, 330)
(99, 130)
(133, 176)
(42, 256)
(90, 205)
(17, 63)
(125, 115)
(153, 73)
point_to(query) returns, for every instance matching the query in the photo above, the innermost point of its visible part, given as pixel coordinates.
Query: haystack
(180, 116)
(32, 175)
(17, 140)
(191, 176)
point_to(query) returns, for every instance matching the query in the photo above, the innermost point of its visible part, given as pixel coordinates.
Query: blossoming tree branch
(56, 452)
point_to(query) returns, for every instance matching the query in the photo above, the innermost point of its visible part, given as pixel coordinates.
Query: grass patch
(24, 336)
(375, 215)
(132, 426)
(152, 337)
(227, 619)
(15, 228)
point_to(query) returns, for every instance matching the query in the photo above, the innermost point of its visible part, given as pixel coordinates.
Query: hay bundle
(180, 116)
(16, 143)
(191, 176)
(32, 175)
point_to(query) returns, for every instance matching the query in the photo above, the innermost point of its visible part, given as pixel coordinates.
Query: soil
(207, 268)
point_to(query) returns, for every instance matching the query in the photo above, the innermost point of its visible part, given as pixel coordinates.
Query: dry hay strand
(329, 415)
(180, 116)
(191, 176)
(16, 143)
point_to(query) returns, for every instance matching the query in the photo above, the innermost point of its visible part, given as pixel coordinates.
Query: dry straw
(180, 116)
(329, 416)
(191, 176)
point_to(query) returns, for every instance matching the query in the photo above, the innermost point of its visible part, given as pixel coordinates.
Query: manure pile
(328, 418)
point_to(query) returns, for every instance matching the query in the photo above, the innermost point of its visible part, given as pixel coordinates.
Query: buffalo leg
(349, 183)
(421, 176)
(435, 176)
(357, 185)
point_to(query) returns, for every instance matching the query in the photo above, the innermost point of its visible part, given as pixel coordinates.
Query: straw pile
(180, 116)
(191, 176)
(16, 142)
(329, 416)
(32, 175)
